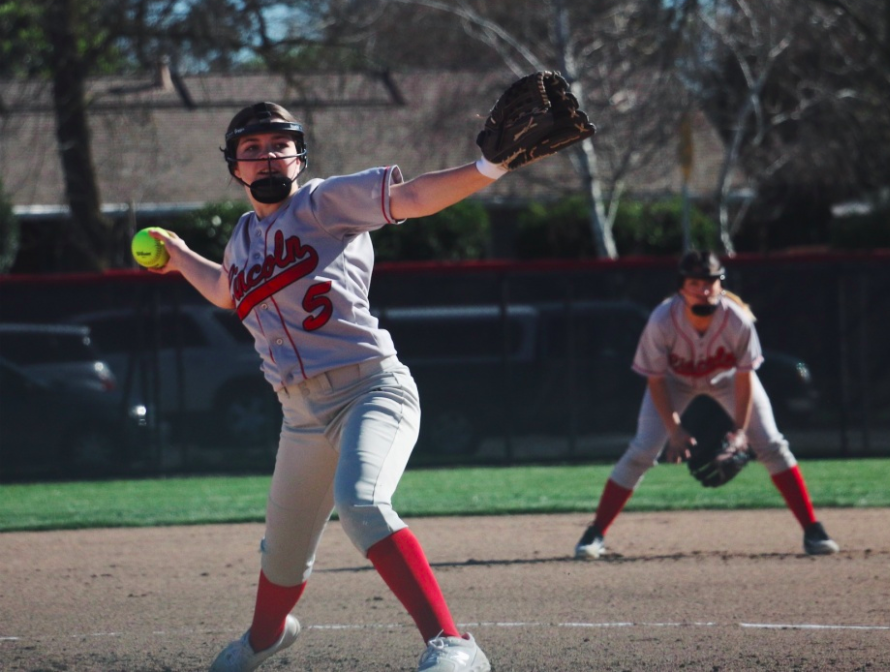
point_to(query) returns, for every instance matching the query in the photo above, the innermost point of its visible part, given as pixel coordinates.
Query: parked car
(57, 352)
(61, 409)
(546, 368)
(64, 428)
(527, 369)
(198, 367)
(788, 381)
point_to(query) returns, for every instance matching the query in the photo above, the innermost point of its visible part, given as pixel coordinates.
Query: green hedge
(207, 229)
(656, 228)
(458, 233)
(866, 231)
(562, 229)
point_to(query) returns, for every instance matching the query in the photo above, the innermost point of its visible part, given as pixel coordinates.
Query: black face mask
(275, 187)
(703, 309)
(272, 189)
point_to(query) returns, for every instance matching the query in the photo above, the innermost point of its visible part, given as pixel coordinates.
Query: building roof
(156, 142)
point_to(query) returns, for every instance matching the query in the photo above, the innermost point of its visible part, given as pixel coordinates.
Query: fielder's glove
(535, 117)
(717, 465)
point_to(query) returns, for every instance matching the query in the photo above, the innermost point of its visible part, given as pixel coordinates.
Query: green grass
(429, 492)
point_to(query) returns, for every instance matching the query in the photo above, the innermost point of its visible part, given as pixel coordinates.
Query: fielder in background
(297, 270)
(702, 341)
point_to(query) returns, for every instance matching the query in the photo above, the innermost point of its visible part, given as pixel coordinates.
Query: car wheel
(448, 431)
(247, 416)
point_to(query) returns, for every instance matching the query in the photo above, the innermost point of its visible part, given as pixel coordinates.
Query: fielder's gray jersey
(695, 364)
(670, 346)
(300, 277)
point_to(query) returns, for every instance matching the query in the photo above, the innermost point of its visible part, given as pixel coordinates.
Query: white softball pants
(345, 442)
(764, 437)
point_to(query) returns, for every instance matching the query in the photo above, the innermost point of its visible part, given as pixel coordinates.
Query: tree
(49, 40)
(799, 92)
(9, 233)
(604, 50)
(64, 42)
(69, 64)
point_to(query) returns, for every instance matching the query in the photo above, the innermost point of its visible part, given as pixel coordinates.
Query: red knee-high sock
(401, 563)
(612, 501)
(793, 488)
(273, 604)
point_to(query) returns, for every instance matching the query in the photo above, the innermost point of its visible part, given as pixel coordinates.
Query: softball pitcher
(702, 341)
(297, 271)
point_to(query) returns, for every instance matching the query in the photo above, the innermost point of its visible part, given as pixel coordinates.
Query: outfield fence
(516, 362)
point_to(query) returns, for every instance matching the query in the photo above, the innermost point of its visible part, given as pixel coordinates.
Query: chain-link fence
(515, 362)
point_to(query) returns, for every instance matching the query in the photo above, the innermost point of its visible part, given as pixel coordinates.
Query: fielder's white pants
(769, 445)
(345, 442)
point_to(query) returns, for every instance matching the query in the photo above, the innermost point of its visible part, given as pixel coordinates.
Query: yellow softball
(147, 251)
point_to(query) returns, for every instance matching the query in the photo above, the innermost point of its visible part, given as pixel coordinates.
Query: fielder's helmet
(703, 264)
(257, 118)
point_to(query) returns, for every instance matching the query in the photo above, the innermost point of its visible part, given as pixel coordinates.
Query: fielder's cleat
(817, 542)
(238, 656)
(453, 654)
(591, 545)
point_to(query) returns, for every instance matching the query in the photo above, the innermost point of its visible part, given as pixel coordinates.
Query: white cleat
(817, 542)
(591, 546)
(238, 656)
(453, 654)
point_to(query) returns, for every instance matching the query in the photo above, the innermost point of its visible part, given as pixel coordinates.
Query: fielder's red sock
(791, 484)
(612, 501)
(273, 604)
(401, 563)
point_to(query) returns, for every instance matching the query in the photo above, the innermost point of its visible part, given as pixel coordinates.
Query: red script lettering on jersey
(251, 286)
(721, 360)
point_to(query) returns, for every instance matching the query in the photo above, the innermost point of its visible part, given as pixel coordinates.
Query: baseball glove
(722, 462)
(535, 117)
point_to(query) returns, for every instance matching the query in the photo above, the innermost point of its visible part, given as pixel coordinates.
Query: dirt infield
(711, 591)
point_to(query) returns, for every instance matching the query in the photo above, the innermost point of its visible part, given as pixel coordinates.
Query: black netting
(515, 362)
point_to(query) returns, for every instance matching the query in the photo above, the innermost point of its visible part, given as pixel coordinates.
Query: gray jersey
(694, 364)
(670, 346)
(300, 277)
